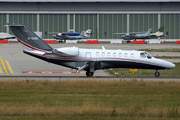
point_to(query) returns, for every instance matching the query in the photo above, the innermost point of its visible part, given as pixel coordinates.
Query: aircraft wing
(6, 36)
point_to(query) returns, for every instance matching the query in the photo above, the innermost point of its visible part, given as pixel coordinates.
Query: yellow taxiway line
(4, 66)
(9, 67)
(1, 70)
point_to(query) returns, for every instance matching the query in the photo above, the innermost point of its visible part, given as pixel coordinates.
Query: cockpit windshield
(145, 55)
(148, 55)
(127, 34)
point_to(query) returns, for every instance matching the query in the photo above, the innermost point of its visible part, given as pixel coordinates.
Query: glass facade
(103, 25)
(3, 22)
(142, 22)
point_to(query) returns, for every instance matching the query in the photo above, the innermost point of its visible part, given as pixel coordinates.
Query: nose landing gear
(89, 74)
(157, 74)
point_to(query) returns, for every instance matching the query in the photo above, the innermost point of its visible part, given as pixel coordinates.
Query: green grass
(125, 72)
(161, 50)
(90, 98)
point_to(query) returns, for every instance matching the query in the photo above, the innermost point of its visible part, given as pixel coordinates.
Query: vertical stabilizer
(82, 33)
(161, 29)
(160, 32)
(87, 33)
(28, 39)
(149, 32)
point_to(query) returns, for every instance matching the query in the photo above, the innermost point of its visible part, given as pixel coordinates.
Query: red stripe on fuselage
(92, 59)
(52, 72)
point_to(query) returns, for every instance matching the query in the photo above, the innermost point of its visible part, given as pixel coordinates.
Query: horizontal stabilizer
(4, 36)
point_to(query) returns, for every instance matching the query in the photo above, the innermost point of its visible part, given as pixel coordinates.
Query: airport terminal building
(104, 17)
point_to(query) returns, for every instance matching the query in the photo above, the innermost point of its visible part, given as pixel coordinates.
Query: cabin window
(132, 54)
(142, 55)
(108, 54)
(120, 54)
(125, 54)
(114, 54)
(103, 54)
(97, 53)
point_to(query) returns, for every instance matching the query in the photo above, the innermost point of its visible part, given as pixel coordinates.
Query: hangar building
(104, 17)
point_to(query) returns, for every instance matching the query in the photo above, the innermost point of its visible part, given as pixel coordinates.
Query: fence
(82, 116)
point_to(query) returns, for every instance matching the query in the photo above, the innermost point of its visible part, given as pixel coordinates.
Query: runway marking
(4, 66)
(50, 72)
(1, 70)
(9, 66)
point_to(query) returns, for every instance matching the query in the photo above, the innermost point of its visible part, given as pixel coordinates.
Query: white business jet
(89, 60)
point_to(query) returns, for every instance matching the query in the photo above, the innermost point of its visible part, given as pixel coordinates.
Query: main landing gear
(89, 74)
(157, 74)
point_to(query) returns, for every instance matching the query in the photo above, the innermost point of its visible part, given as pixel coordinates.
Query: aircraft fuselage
(104, 59)
(131, 37)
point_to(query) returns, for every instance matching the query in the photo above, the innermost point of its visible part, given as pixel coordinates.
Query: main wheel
(89, 74)
(157, 74)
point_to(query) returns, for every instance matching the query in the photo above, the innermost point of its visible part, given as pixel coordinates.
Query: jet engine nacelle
(74, 51)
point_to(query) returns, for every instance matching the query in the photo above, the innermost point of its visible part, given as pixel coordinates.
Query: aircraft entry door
(88, 55)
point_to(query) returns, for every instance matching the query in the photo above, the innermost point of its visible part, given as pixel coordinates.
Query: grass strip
(93, 98)
(125, 72)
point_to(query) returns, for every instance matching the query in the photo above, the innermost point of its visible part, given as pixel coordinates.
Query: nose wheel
(89, 74)
(157, 74)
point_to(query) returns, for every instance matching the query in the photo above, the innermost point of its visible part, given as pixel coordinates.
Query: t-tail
(159, 33)
(148, 32)
(28, 39)
(161, 29)
(87, 33)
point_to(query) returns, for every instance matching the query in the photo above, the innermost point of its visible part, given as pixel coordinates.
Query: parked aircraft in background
(143, 35)
(72, 36)
(159, 33)
(89, 60)
(136, 35)
(5, 36)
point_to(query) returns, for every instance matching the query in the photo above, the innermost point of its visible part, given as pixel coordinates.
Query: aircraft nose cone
(171, 66)
(166, 64)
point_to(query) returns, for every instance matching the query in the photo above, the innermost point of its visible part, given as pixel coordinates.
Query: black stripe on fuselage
(105, 64)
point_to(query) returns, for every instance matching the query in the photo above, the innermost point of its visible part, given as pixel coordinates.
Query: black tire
(157, 74)
(89, 74)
